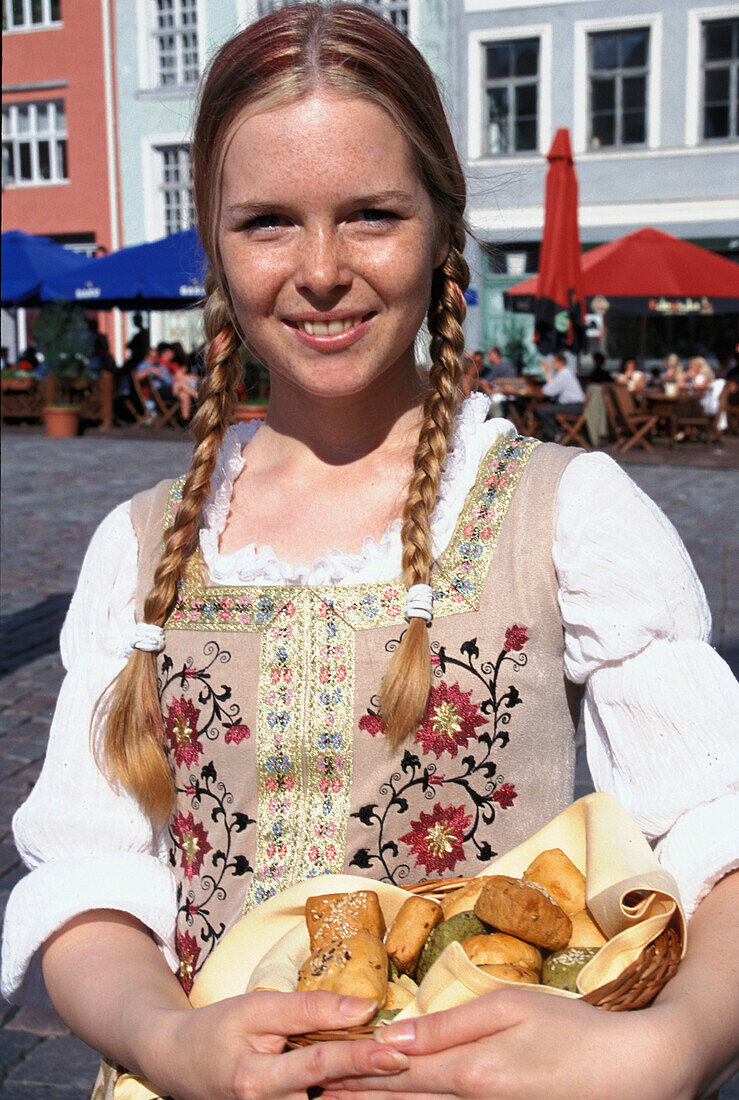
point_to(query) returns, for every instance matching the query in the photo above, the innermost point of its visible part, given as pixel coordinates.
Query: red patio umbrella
(649, 273)
(559, 301)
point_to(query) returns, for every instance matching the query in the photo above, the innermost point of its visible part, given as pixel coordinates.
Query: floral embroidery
(504, 795)
(192, 840)
(515, 638)
(437, 838)
(450, 722)
(204, 854)
(453, 721)
(182, 731)
(236, 734)
(188, 951)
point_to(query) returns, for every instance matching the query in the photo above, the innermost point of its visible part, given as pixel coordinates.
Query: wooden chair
(167, 413)
(135, 402)
(636, 426)
(692, 419)
(572, 425)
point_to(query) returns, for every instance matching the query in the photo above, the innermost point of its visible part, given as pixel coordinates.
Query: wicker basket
(635, 987)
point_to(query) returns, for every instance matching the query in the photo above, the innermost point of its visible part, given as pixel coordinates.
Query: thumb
(294, 1013)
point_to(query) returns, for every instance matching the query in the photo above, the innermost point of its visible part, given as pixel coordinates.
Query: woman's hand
(531, 1046)
(231, 1050)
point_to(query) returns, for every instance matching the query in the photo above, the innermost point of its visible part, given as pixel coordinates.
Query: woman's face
(328, 242)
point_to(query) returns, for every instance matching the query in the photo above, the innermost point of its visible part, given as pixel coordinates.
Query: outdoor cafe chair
(135, 403)
(636, 426)
(167, 413)
(572, 425)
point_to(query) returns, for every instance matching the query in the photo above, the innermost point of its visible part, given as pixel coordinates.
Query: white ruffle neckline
(378, 560)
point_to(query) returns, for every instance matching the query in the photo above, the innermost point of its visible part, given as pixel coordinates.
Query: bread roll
(398, 996)
(456, 929)
(410, 930)
(525, 910)
(499, 948)
(560, 878)
(585, 932)
(507, 972)
(463, 899)
(562, 968)
(356, 966)
(332, 917)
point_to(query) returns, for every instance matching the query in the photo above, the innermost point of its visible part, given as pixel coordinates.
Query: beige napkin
(264, 949)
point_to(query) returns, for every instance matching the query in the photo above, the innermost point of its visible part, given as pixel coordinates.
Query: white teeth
(328, 328)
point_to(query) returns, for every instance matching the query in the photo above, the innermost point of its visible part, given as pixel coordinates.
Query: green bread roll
(561, 969)
(456, 928)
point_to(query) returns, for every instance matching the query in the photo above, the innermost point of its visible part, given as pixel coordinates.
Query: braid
(132, 744)
(405, 689)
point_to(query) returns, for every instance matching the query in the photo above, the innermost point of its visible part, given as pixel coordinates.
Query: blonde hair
(273, 61)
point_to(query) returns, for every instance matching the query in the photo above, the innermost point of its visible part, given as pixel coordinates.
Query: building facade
(59, 156)
(650, 97)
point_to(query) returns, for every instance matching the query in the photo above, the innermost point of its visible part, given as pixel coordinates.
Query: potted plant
(62, 333)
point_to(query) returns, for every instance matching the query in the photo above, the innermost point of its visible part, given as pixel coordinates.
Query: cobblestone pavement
(55, 492)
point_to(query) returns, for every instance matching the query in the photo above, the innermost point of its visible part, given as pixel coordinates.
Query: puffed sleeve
(87, 845)
(661, 708)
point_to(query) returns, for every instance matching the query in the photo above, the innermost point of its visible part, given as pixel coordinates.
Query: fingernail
(357, 1008)
(388, 1061)
(401, 1034)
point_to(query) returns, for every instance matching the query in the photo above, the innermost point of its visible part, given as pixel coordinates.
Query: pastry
(410, 930)
(560, 878)
(356, 966)
(525, 910)
(458, 928)
(499, 948)
(561, 969)
(507, 972)
(332, 917)
(458, 901)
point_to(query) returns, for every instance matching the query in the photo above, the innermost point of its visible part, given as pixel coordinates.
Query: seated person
(631, 377)
(565, 390)
(156, 373)
(599, 372)
(698, 377)
(672, 372)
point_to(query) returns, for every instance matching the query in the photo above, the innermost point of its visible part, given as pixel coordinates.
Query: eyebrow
(256, 209)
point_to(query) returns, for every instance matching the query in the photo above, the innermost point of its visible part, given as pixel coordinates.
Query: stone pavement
(55, 492)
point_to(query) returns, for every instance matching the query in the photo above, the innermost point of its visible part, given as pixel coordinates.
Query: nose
(322, 267)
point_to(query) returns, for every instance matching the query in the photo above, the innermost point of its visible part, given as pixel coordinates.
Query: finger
(488, 1015)
(295, 1013)
(323, 1062)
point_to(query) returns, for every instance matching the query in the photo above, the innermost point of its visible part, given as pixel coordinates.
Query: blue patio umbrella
(163, 274)
(28, 260)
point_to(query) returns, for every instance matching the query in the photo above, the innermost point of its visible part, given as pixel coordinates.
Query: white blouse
(661, 709)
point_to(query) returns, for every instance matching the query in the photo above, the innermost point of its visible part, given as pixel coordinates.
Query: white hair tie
(419, 603)
(149, 638)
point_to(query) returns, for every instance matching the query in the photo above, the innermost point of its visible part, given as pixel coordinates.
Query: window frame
(511, 83)
(477, 43)
(158, 223)
(582, 30)
(46, 22)
(148, 36)
(54, 135)
(618, 75)
(733, 64)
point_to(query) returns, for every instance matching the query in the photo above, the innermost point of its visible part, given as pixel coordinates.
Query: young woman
(280, 692)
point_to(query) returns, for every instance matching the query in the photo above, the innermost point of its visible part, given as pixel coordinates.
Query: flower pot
(244, 414)
(61, 422)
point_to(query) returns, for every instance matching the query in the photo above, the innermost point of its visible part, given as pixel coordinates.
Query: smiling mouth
(330, 328)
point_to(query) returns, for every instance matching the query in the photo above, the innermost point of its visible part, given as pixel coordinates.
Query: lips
(329, 333)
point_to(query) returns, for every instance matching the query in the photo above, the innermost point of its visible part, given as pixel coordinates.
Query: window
(394, 10)
(511, 95)
(721, 79)
(618, 71)
(34, 143)
(24, 14)
(175, 186)
(176, 39)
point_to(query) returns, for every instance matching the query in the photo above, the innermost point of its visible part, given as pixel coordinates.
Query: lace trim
(472, 436)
